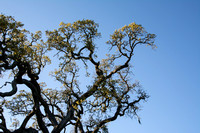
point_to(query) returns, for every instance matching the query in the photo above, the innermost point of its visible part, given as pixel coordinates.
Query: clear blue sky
(170, 74)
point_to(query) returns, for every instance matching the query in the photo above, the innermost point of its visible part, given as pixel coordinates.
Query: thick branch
(27, 119)
(37, 108)
(5, 130)
(63, 123)
(38, 97)
(12, 92)
(118, 69)
(92, 90)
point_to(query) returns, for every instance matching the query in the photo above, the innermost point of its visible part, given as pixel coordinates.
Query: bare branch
(66, 119)
(12, 92)
(23, 125)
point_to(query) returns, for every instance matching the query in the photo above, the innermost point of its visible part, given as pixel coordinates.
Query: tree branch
(23, 125)
(5, 130)
(38, 113)
(108, 119)
(66, 119)
(12, 92)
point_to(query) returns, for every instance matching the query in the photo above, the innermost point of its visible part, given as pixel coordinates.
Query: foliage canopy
(87, 109)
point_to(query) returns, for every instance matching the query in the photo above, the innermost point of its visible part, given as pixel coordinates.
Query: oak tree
(108, 92)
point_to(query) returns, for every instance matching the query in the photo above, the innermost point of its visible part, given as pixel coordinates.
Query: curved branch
(37, 97)
(27, 119)
(3, 121)
(66, 119)
(38, 113)
(5, 84)
(12, 92)
(108, 119)
(5, 130)
(91, 91)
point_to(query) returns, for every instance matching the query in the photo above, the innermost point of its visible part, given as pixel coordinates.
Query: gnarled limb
(12, 92)
(37, 97)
